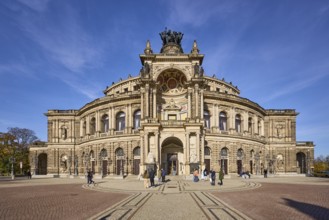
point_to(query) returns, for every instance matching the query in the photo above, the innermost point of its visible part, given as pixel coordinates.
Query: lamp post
(101, 155)
(86, 160)
(12, 160)
(69, 161)
(76, 165)
(257, 160)
(267, 160)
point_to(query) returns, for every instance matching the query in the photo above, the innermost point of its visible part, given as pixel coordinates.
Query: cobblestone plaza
(256, 198)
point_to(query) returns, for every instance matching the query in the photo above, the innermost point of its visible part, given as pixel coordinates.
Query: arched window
(207, 151)
(137, 151)
(224, 152)
(239, 154)
(119, 152)
(103, 153)
(259, 125)
(105, 123)
(137, 119)
(120, 121)
(84, 128)
(206, 117)
(238, 123)
(250, 130)
(222, 121)
(92, 126)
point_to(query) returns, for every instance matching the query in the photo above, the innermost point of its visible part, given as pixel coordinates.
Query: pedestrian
(196, 175)
(212, 176)
(151, 175)
(163, 175)
(265, 173)
(145, 177)
(159, 176)
(205, 174)
(29, 175)
(90, 178)
(220, 177)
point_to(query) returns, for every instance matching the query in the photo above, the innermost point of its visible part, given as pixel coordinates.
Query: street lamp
(86, 160)
(12, 160)
(69, 161)
(102, 154)
(257, 157)
(76, 165)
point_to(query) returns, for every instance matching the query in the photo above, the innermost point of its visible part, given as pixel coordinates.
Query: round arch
(172, 156)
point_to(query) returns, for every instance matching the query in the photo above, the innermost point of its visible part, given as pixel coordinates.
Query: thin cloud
(197, 13)
(37, 5)
(310, 78)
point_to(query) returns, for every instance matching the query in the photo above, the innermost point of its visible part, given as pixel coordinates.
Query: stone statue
(168, 36)
(150, 157)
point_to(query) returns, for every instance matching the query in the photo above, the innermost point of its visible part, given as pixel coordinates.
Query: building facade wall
(171, 116)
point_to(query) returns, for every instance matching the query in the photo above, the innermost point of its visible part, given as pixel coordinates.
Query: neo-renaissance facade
(172, 116)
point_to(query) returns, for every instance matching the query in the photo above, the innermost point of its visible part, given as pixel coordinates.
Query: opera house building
(175, 116)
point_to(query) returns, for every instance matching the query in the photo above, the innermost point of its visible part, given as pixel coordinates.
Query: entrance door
(172, 164)
(120, 166)
(42, 164)
(223, 164)
(104, 167)
(251, 166)
(136, 166)
(207, 164)
(239, 166)
(93, 166)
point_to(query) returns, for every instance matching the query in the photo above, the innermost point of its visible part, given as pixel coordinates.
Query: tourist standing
(163, 175)
(213, 177)
(159, 176)
(29, 175)
(265, 173)
(151, 175)
(145, 177)
(220, 177)
(196, 175)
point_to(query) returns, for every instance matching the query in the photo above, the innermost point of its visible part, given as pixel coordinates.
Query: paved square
(257, 198)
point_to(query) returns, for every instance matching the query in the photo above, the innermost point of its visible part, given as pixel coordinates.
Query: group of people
(149, 176)
(211, 174)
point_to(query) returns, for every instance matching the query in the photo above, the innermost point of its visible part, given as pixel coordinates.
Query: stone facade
(171, 116)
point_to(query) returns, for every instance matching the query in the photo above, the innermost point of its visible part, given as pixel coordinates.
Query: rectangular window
(172, 117)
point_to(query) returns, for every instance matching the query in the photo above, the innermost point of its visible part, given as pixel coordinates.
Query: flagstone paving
(256, 198)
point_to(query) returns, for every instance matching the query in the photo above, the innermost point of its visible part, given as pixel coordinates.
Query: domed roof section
(171, 42)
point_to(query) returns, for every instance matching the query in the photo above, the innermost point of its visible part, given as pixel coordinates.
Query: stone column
(147, 94)
(196, 100)
(201, 104)
(189, 106)
(154, 103)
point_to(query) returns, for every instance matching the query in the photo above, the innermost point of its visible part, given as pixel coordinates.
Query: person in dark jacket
(151, 174)
(163, 175)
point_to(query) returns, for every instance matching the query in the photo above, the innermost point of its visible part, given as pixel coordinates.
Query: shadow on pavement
(314, 211)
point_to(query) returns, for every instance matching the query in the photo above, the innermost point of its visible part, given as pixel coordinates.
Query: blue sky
(61, 54)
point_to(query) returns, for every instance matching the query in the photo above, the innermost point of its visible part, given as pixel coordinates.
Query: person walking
(196, 175)
(220, 177)
(265, 173)
(90, 178)
(163, 175)
(213, 177)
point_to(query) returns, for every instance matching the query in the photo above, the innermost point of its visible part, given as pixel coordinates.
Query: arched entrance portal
(172, 156)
